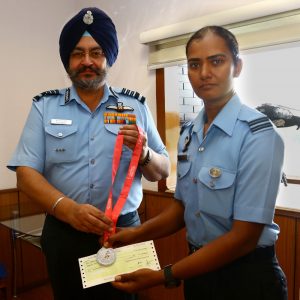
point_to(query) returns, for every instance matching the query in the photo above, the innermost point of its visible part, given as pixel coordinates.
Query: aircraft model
(281, 116)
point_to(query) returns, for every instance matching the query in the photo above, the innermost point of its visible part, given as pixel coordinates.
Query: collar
(70, 94)
(225, 119)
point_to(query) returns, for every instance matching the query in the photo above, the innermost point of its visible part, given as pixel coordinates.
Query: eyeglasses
(94, 54)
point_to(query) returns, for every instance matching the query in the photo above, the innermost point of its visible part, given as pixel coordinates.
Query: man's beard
(88, 84)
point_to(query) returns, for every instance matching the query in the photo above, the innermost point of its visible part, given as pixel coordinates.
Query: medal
(106, 256)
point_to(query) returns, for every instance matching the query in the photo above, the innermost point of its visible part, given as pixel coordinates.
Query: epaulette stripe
(259, 127)
(133, 94)
(47, 93)
(142, 99)
(260, 120)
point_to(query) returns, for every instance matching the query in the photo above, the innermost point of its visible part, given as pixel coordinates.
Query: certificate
(129, 258)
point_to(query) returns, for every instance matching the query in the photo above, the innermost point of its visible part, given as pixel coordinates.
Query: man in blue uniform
(64, 157)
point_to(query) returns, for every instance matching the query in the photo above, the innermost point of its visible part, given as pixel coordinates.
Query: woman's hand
(138, 280)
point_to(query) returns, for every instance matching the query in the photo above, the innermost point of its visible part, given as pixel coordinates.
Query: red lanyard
(111, 212)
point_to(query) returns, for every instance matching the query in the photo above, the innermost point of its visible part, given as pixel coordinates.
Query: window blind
(262, 24)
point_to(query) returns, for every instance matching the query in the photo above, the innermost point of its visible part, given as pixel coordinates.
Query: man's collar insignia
(67, 95)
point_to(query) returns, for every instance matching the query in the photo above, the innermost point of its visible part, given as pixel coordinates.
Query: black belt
(260, 253)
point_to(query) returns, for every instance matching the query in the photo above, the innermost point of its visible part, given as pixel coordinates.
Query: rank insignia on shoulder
(47, 93)
(119, 118)
(119, 107)
(133, 94)
(262, 123)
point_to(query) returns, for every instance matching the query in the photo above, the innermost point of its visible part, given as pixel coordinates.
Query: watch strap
(170, 281)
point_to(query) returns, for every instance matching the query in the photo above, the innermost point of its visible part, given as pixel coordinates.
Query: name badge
(60, 122)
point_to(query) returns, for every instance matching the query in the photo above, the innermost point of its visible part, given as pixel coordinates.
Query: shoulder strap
(47, 93)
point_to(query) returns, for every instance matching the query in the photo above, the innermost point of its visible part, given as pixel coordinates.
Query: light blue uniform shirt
(247, 152)
(77, 158)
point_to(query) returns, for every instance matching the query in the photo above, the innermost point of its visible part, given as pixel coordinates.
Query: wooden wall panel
(285, 249)
(8, 203)
(34, 268)
(297, 265)
(27, 206)
(6, 255)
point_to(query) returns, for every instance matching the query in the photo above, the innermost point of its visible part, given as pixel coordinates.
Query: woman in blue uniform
(228, 174)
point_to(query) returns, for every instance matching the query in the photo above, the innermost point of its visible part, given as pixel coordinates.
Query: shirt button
(212, 184)
(92, 161)
(60, 134)
(195, 180)
(91, 186)
(197, 214)
(201, 149)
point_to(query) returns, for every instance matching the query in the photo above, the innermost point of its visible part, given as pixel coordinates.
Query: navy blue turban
(100, 27)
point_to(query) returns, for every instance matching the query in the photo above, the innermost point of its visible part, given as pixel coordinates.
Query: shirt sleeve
(258, 177)
(30, 150)
(154, 139)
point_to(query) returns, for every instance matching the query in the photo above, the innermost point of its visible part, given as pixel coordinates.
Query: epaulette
(262, 123)
(133, 94)
(47, 93)
(184, 126)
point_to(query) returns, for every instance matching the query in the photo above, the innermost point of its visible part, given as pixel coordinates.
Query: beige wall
(30, 61)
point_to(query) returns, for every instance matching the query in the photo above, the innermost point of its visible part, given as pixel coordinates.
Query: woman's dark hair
(222, 32)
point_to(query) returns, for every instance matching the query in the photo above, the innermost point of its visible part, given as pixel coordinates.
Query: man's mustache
(84, 68)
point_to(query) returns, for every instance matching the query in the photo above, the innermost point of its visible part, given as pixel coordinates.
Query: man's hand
(87, 218)
(130, 134)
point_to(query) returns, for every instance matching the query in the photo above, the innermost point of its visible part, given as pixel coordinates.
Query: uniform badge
(88, 18)
(215, 172)
(67, 95)
(119, 118)
(120, 107)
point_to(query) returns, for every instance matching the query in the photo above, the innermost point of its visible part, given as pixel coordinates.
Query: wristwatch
(170, 281)
(147, 158)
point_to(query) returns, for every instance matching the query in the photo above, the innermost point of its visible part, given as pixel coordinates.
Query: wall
(30, 62)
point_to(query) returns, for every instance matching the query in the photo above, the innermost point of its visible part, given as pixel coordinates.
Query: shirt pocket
(217, 193)
(61, 143)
